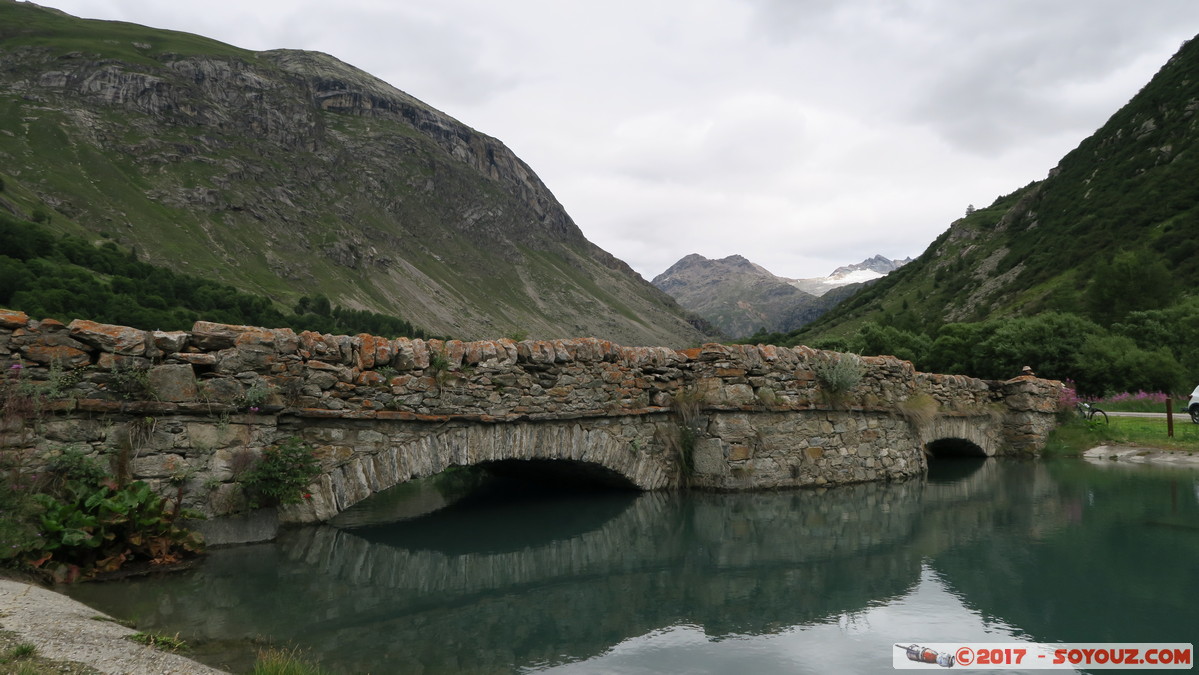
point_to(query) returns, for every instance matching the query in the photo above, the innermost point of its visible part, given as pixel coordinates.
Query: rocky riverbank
(71, 637)
(1139, 455)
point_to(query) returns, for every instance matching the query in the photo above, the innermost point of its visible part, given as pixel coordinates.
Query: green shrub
(281, 476)
(18, 526)
(837, 373)
(130, 381)
(439, 362)
(91, 529)
(20, 400)
(73, 466)
(258, 394)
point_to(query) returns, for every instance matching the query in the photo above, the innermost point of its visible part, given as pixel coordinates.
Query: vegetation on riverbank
(72, 520)
(283, 662)
(1141, 401)
(1076, 436)
(18, 656)
(69, 513)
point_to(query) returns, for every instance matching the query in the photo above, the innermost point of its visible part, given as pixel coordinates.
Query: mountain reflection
(496, 586)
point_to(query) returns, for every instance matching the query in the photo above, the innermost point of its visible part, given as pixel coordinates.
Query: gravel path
(65, 630)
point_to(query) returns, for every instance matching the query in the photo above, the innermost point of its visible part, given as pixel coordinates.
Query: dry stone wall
(193, 409)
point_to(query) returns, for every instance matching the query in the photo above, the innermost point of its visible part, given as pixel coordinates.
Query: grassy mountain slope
(1113, 229)
(289, 173)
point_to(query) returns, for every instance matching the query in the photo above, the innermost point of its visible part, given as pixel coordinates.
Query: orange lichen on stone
(121, 340)
(10, 318)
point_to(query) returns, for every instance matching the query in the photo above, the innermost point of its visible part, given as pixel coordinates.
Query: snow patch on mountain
(867, 270)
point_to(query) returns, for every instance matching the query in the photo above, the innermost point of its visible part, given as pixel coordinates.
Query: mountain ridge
(291, 173)
(1126, 188)
(740, 297)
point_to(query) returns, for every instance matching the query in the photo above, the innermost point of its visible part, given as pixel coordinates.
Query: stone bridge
(190, 411)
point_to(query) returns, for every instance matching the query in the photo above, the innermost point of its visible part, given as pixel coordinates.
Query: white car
(1193, 406)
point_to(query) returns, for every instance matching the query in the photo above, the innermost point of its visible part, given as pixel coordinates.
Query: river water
(512, 578)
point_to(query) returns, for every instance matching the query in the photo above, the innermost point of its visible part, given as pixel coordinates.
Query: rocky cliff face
(292, 173)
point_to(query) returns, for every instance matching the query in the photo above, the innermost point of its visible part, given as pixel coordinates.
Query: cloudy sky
(802, 134)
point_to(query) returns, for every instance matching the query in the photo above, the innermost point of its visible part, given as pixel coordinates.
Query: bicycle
(1089, 412)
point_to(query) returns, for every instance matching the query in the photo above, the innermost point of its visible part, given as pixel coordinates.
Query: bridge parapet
(377, 409)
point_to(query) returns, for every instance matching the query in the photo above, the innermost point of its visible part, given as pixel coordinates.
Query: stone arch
(466, 444)
(954, 447)
(961, 435)
(554, 472)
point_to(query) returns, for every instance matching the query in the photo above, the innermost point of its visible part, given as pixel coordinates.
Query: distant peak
(696, 262)
(878, 263)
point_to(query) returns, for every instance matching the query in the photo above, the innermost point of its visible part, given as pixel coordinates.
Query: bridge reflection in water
(505, 586)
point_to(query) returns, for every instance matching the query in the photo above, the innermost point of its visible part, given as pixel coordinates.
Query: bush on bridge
(281, 476)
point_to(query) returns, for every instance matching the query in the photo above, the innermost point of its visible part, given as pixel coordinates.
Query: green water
(519, 580)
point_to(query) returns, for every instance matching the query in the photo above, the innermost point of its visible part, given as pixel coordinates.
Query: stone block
(211, 336)
(403, 359)
(173, 382)
(159, 466)
(121, 340)
(205, 436)
(68, 357)
(170, 342)
(420, 354)
(72, 430)
(195, 359)
(220, 390)
(372, 351)
(739, 452)
(707, 457)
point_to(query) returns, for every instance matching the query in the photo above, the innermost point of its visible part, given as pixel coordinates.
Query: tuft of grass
(919, 410)
(17, 652)
(168, 643)
(280, 662)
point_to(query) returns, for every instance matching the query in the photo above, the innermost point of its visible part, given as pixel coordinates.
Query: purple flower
(253, 408)
(15, 366)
